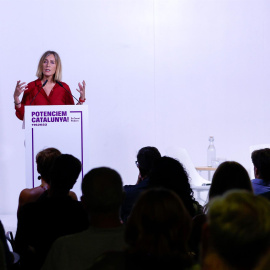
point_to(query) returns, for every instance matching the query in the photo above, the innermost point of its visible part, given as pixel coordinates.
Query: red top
(57, 96)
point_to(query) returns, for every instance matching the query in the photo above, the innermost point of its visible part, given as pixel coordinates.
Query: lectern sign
(42, 118)
(64, 127)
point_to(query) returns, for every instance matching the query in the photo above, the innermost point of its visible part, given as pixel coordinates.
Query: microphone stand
(39, 91)
(66, 90)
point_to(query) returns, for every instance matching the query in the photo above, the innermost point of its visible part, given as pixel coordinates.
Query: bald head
(102, 190)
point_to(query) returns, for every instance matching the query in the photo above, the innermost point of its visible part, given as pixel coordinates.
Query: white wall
(158, 72)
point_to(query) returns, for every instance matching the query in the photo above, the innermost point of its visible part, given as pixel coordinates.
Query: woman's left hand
(81, 90)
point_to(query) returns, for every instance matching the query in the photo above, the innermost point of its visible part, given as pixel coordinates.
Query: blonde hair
(58, 73)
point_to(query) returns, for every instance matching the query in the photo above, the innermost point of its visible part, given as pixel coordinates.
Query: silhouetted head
(45, 160)
(146, 158)
(229, 175)
(261, 162)
(159, 224)
(102, 190)
(239, 228)
(169, 173)
(64, 173)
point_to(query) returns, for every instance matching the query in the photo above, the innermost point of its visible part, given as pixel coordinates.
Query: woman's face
(49, 66)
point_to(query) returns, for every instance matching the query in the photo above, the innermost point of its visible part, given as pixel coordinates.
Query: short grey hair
(239, 227)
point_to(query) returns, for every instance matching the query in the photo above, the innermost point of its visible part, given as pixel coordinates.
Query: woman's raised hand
(20, 87)
(81, 90)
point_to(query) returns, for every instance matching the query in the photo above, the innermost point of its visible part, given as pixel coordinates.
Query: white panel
(211, 76)
(109, 44)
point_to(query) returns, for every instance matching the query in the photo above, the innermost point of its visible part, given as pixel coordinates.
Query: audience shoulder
(73, 195)
(28, 195)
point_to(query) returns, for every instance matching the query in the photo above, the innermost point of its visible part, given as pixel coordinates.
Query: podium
(64, 127)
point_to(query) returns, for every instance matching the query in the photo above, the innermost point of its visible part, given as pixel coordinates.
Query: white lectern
(64, 127)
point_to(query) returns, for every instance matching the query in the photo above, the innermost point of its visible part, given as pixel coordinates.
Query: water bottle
(211, 152)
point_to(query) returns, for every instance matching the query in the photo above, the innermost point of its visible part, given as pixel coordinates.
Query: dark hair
(261, 160)
(159, 225)
(64, 173)
(169, 173)
(146, 157)
(102, 189)
(229, 175)
(44, 160)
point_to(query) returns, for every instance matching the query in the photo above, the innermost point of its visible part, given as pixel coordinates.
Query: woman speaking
(48, 88)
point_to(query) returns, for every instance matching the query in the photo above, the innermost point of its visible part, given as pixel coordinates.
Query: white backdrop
(158, 72)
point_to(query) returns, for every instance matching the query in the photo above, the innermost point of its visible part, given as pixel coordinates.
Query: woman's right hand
(20, 87)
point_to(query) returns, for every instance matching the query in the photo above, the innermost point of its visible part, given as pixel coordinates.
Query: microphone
(39, 91)
(66, 89)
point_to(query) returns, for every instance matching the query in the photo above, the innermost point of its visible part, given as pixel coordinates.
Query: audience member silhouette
(6, 257)
(41, 223)
(3, 264)
(237, 233)
(229, 175)
(145, 160)
(156, 233)
(261, 162)
(103, 194)
(44, 160)
(169, 173)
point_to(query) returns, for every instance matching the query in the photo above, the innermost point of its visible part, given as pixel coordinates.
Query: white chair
(198, 183)
(251, 149)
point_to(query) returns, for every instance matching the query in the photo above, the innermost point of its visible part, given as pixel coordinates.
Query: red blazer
(57, 96)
